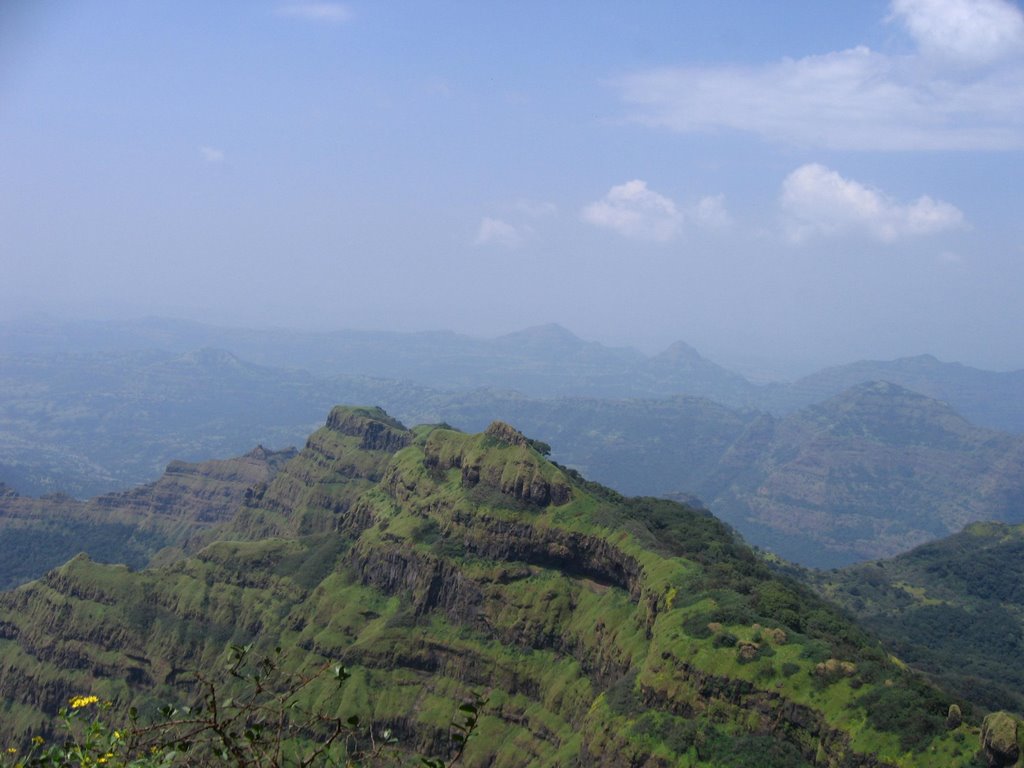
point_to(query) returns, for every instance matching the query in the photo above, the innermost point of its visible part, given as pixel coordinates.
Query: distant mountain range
(869, 472)
(545, 361)
(986, 398)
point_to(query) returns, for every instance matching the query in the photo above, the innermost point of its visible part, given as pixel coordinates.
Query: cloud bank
(818, 202)
(968, 31)
(859, 99)
(211, 154)
(497, 232)
(324, 12)
(635, 211)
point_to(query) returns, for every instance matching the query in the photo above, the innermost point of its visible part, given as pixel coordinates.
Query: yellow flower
(78, 702)
(117, 735)
(38, 740)
(12, 751)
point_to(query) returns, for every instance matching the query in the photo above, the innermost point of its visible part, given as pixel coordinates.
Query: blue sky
(783, 185)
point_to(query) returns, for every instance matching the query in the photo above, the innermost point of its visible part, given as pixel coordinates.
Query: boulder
(999, 740)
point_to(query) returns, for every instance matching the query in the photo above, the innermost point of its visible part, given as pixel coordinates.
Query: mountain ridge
(604, 625)
(523, 360)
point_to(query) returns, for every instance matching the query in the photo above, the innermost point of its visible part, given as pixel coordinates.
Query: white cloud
(329, 12)
(710, 211)
(971, 31)
(817, 201)
(212, 154)
(497, 232)
(860, 99)
(633, 210)
(536, 209)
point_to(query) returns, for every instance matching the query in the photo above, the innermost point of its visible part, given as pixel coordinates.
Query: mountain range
(138, 527)
(603, 630)
(867, 473)
(544, 361)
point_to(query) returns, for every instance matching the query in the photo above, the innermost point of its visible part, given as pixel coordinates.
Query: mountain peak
(890, 413)
(378, 431)
(680, 351)
(547, 335)
(506, 433)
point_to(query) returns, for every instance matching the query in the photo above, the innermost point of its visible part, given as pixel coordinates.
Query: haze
(782, 185)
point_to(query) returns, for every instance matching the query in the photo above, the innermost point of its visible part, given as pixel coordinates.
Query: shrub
(266, 722)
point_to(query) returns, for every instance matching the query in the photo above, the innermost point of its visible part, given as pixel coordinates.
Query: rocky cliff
(132, 526)
(603, 630)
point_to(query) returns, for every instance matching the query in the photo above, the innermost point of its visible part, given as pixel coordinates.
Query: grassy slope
(605, 629)
(158, 519)
(953, 608)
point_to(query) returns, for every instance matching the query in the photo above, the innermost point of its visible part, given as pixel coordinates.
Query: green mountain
(869, 473)
(987, 398)
(91, 422)
(603, 630)
(158, 520)
(953, 608)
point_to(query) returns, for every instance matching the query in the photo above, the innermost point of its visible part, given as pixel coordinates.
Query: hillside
(129, 527)
(874, 471)
(953, 608)
(987, 398)
(869, 473)
(90, 422)
(604, 630)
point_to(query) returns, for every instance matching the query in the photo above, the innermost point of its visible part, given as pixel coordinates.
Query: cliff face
(870, 473)
(606, 631)
(132, 526)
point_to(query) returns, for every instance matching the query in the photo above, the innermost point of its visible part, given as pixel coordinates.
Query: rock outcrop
(431, 562)
(999, 740)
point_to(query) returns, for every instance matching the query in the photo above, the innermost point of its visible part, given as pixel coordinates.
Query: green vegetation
(871, 472)
(953, 609)
(154, 523)
(432, 563)
(253, 715)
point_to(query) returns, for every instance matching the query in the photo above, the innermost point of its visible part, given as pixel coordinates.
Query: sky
(782, 185)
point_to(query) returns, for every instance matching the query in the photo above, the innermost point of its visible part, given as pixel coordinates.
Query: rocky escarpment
(608, 631)
(162, 517)
(525, 478)
(314, 493)
(870, 473)
(375, 429)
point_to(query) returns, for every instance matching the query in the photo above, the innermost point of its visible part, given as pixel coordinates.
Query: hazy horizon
(783, 187)
(758, 369)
